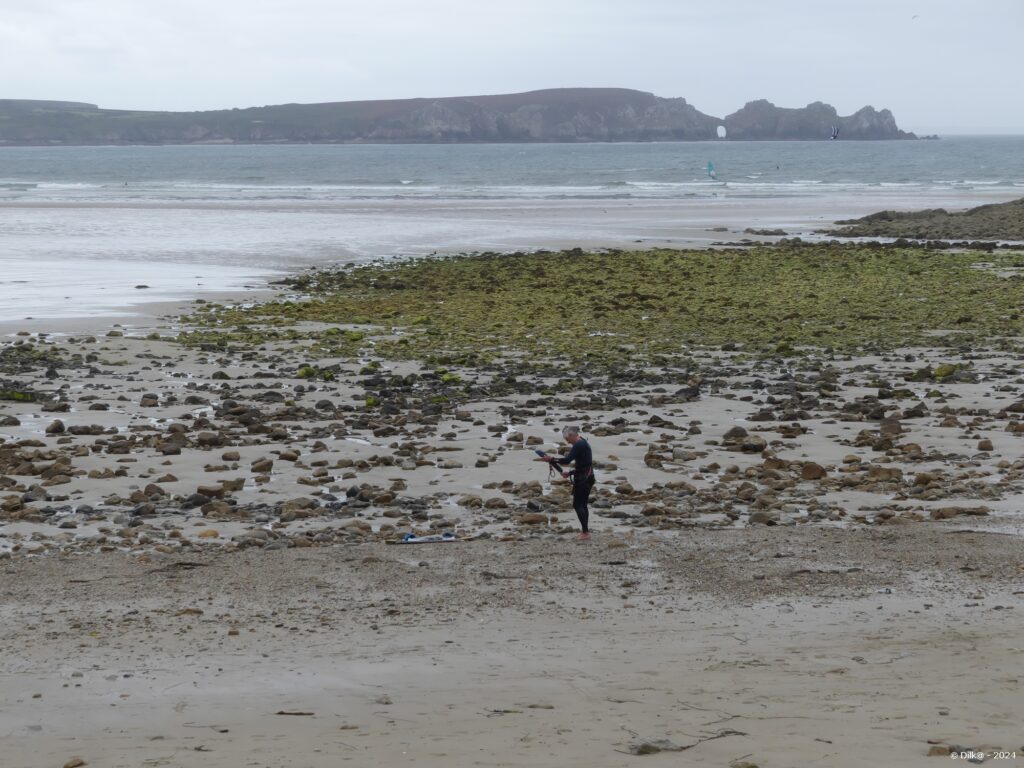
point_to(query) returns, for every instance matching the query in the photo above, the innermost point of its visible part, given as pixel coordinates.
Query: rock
(532, 518)
(890, 427)
(195, 500)
(209, 533)
(279, 544)
(209, 440)
(885, 474)
(262, 465)
(945, 513)
(812, 471)
(653, 461)
(56, 427)
(77, 762)
(218, 509)
(753, 444)
(763, 517)
(985, 445)
(230, 456)
(149, 401)
(449, 464)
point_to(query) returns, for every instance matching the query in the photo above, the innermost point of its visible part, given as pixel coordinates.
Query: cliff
(558, 115)
(763, 120)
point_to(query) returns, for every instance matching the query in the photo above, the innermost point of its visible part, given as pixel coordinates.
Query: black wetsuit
(582, 479)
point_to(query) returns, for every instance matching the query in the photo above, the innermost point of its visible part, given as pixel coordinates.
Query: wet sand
(767, 647)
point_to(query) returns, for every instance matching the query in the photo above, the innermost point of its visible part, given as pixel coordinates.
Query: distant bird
(913, 17)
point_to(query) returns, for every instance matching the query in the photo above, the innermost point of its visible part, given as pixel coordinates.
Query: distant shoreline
(441, 142)
(561, 115)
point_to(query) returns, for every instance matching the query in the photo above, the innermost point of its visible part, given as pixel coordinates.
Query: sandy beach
(803, 554)
(766, 646)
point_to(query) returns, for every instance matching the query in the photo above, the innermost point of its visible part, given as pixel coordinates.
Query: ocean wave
(68, 185)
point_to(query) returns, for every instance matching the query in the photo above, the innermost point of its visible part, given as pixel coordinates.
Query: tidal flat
(807, 517)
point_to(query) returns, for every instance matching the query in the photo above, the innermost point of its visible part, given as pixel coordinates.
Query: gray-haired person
(582, 475)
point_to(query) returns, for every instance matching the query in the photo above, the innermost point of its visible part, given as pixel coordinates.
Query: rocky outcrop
(763, 120)
(997, 221)
(558, 115)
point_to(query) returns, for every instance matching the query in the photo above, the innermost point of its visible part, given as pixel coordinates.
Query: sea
(98, 231)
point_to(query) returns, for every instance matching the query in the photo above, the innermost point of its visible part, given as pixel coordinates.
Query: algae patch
(602, 307)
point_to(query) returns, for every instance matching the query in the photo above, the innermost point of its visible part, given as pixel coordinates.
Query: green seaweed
(603, 307)
(17, 395)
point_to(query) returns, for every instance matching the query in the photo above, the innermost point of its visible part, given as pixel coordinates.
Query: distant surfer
(581, 476)
(711, 171)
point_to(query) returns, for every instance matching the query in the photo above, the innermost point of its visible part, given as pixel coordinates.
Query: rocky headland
(556, 115)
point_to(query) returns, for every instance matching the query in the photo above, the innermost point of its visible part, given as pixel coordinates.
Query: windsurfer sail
(835, 132)
(711, 170)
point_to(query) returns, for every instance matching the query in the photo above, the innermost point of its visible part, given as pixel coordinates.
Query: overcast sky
(947, 66)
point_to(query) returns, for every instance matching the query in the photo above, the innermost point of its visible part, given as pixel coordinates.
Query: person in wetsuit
(582, 475)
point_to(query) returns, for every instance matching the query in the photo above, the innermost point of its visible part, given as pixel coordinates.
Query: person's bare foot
(583, 537)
